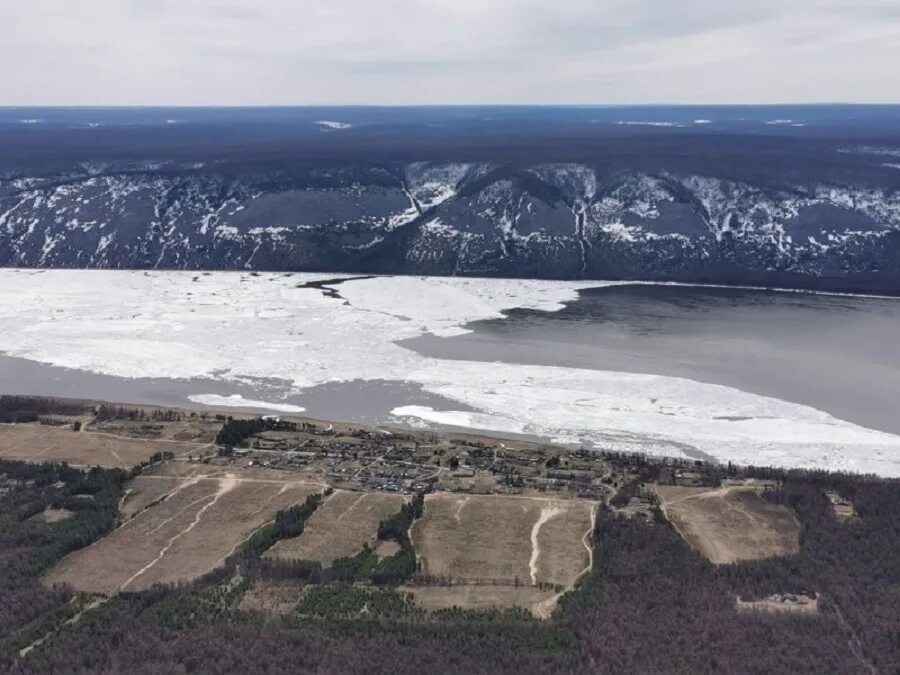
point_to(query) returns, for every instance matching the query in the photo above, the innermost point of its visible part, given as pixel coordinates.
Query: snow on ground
(434, 183)
(331, 124)
(239, 327)
(460, 418)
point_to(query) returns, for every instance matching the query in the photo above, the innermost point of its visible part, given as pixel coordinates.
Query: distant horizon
(213, 106)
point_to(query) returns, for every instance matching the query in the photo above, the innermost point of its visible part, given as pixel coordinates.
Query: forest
(29, 545)
(649, 605)
(235, 431)
(24, 409)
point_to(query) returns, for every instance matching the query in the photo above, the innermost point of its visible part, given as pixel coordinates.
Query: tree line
(24, 409)
(29, 545)
(235, 431)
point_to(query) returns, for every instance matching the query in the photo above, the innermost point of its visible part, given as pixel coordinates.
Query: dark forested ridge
(650, 605)
(802, 196)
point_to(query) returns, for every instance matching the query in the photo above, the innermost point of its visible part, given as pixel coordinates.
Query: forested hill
(791, 196)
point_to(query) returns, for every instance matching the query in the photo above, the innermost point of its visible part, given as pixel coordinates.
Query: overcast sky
(254, 52)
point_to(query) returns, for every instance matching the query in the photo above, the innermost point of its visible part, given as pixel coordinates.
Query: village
(412, 461)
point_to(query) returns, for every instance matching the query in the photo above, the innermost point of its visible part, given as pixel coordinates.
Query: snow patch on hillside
(433, 183)
(648, 123)
(332, 124)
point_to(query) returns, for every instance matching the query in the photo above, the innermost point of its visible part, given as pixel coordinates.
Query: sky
(310, 52)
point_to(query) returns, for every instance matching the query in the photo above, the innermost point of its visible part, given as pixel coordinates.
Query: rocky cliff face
(542, 220)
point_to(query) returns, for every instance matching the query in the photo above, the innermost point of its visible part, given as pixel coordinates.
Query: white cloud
(134, 52)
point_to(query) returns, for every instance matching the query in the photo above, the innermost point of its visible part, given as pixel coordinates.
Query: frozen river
(835, 353)
(748, 376)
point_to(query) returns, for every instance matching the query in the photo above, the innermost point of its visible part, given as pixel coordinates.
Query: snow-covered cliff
(543, 220)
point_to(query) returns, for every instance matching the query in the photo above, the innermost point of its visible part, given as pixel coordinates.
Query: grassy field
(730, 524)
(39, 443)
(340, 526)
(196, 517)
(470, 596)
(273, 597)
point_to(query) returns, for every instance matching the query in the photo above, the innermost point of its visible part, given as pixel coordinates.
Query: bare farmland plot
(202, 519)
(387, 549)
(730, 524)
(143, 491)
(39, 443)
(51, 515)
(504, 540)
(158, 481)
(190, 430)
(340, 526)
